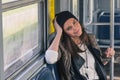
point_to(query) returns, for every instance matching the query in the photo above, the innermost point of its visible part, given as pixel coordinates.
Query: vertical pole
(112, 37)
(84, 12)
(118, 3)
(1, 45)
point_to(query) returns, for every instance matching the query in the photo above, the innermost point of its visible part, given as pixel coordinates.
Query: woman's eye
(69, 28)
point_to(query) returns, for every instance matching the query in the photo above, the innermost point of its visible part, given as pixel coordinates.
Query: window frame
(17, 4)
(1, 46)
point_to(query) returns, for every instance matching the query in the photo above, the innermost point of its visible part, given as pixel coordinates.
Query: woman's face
(73, 28)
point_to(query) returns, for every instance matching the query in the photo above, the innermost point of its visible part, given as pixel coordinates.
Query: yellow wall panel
(51, 14)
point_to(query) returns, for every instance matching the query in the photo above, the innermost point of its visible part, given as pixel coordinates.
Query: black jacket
(79, 61)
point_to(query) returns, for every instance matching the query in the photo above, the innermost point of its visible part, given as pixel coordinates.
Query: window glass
(76, 8)
(20, 33)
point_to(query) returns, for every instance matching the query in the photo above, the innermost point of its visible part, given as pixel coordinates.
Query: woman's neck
(76, 40)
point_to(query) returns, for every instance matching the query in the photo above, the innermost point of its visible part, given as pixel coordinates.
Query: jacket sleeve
(51, 56)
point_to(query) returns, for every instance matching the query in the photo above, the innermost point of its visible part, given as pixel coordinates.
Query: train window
(20, 37)
(75, 8)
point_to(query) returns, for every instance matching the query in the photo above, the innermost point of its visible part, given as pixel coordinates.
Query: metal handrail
(112, 37)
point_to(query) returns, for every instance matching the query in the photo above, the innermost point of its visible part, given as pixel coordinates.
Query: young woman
(72, 48)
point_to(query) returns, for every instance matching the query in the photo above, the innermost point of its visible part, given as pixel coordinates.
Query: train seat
(44, 74)
(103, 30)
(48, 72)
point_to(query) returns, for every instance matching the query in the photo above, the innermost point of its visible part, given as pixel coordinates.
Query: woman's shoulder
(93, 40)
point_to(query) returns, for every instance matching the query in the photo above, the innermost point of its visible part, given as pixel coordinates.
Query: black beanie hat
(62, 17)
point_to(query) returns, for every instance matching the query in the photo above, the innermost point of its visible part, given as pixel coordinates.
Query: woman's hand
(109, 52)
(57, 27)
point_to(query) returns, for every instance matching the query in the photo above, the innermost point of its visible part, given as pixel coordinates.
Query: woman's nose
(74, 28)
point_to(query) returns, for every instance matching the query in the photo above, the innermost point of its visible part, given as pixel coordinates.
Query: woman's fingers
(110, 52)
